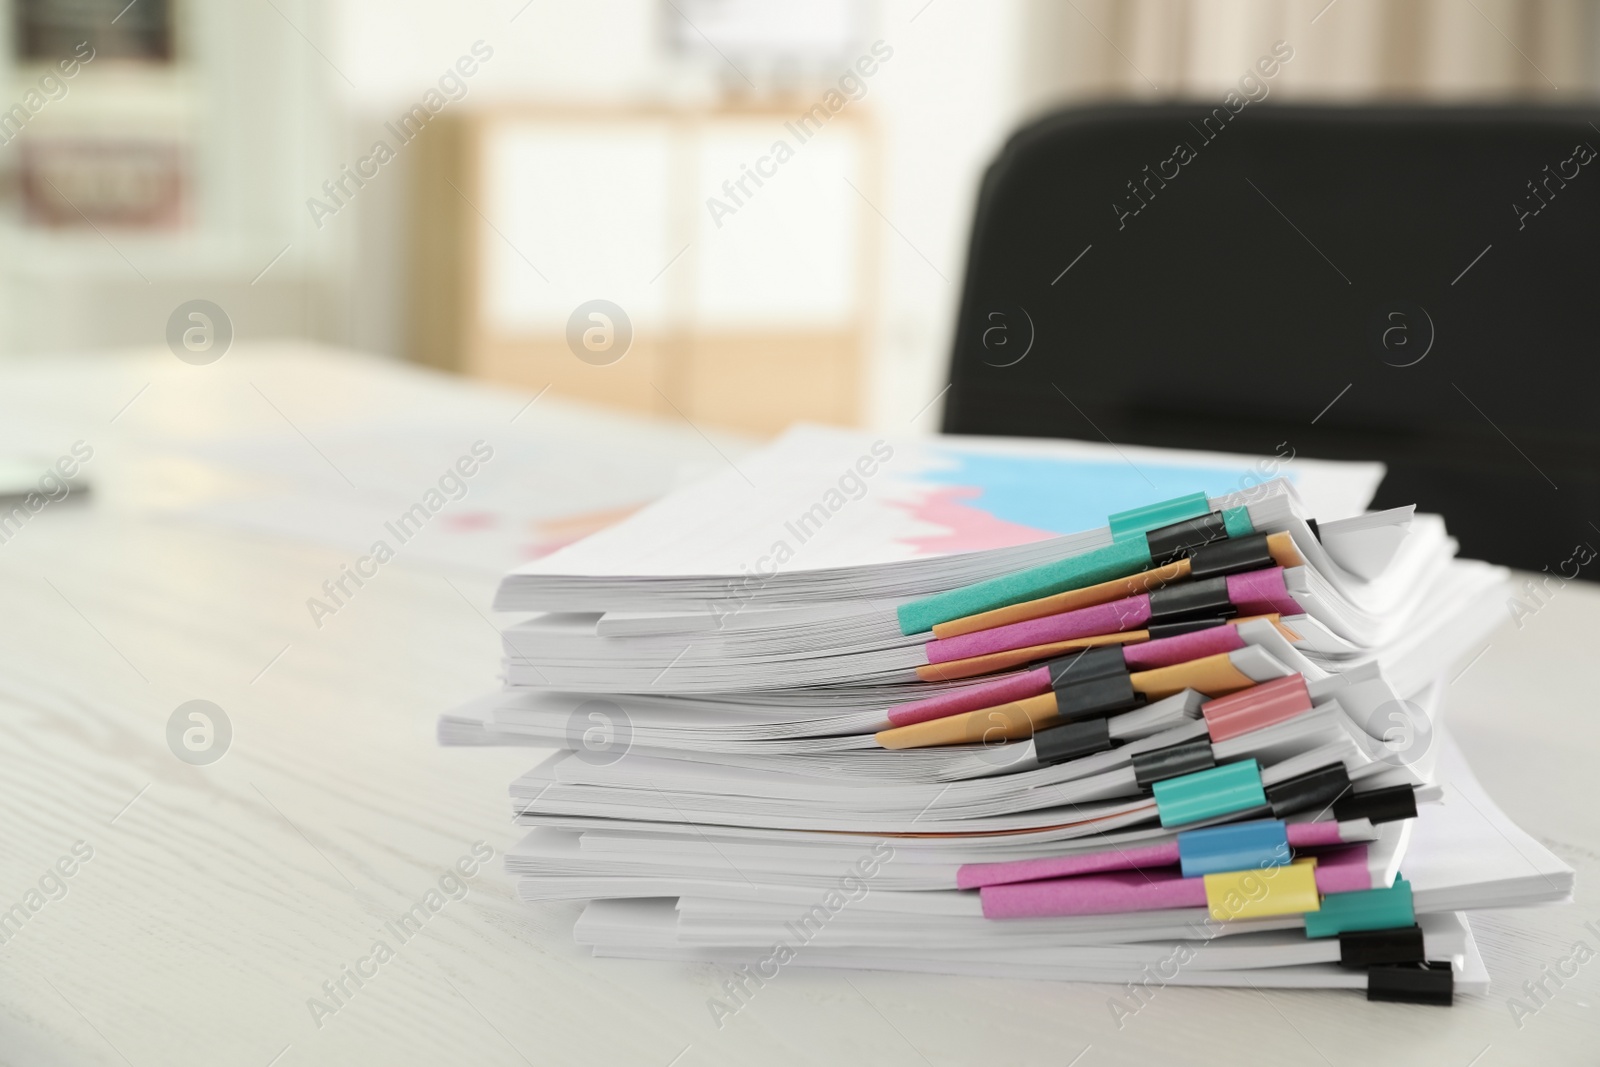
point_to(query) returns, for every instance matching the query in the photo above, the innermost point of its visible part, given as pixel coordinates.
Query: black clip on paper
(1092, 683)
(1207, 598)
(1312, 791)
(1102, 661)
(1412, 983)
(1234, 556)
(1168, 544)
(1174, 628)
(1379, 805)
(1368, 948)
(1097, 697)
(1174, 761)
(1071, 741)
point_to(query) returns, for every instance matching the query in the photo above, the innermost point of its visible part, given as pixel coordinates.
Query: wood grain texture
(221, 897)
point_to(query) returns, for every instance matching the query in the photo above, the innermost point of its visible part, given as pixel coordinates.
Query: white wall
(947, 101)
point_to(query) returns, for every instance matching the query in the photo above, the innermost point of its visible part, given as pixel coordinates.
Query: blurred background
(445, 183)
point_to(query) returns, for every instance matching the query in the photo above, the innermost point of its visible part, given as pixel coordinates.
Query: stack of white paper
(749, 765)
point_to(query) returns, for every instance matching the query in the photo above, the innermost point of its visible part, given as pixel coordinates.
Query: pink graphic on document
(966, 528)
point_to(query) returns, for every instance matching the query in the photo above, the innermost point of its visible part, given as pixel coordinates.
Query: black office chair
(1410, 284)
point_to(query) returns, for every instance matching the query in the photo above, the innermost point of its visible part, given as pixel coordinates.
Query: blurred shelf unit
(744, 267)
(118, 155)
(45, 30)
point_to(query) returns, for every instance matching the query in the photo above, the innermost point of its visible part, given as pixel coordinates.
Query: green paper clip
(1237, 522)
(1138, 520)
(1364, 909)
(1116, 560)
(1206, 794)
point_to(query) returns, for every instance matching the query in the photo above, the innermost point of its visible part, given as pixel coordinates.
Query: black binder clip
(1367, 948)
(1412, 983)
(1179, 539)
(1234, 556)
(1178, 627)
(1312, 791)
(1173, 761)
(1071, 741)
(1207, 599)
(1378, 805)
(1092, 683)
(1104, 661)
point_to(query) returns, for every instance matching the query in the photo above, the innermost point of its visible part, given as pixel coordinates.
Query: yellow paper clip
(1257, 893)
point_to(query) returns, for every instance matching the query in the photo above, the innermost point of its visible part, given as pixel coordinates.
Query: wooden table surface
(218, 899)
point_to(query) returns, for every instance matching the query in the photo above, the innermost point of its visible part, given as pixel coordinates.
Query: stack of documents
(1032, 709)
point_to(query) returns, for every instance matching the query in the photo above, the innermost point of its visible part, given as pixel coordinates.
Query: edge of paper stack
(1201, 745)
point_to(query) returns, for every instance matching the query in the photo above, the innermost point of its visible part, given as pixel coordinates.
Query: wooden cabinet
(737, 244)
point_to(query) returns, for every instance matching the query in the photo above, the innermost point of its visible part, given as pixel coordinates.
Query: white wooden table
(219, 898)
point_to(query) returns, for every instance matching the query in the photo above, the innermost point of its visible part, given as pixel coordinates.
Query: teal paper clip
(1116, 560)
(1206, 794)
(1138, 520)
(1237, 522)
(1365, 909)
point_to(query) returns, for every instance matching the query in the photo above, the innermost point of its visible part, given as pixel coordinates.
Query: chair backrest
(1411, 284)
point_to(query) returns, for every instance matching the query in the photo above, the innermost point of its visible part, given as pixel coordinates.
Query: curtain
(1345, 50)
